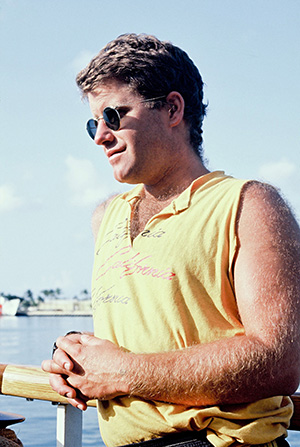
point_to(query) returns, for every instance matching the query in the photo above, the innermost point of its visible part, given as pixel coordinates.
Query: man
(196, 281)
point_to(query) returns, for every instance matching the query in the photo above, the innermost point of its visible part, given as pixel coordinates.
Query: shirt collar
(181, 202)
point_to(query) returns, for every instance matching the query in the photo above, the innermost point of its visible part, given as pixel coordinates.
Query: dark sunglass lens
(111, 118)
(91, 127)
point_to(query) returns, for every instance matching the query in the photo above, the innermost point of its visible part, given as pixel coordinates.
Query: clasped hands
(85, 367)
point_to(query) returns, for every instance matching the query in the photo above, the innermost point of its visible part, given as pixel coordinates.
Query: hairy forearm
(237, 370)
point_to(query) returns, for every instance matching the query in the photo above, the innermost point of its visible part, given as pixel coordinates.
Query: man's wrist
(127, 372)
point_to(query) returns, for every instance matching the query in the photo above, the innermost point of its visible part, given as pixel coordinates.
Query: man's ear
(175, 103)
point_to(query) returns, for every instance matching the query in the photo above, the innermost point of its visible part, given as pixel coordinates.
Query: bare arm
(99, 214)
(265, 361)
(262, 363)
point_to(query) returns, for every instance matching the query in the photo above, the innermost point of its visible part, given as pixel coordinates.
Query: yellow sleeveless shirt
(169, 289)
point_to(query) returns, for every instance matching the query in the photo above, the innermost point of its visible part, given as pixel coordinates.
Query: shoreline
(55, 313)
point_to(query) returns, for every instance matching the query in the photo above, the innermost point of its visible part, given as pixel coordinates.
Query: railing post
(68, 426)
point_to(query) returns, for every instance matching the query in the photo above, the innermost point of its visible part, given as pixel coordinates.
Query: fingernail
(85, 338)
(67, 365)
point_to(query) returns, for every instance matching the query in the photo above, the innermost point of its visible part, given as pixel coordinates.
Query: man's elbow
(290, 385)
(288, 378)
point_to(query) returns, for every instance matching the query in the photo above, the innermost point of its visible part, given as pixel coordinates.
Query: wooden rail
(30, 382)
(33, 383)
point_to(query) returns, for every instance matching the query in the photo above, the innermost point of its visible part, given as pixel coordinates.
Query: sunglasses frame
(92, 124)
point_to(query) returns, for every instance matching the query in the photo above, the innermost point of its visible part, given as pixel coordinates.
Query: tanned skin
(263, 362)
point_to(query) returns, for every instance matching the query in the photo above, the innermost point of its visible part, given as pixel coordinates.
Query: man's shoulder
(256, 193)
(98, 214)
(262, 206)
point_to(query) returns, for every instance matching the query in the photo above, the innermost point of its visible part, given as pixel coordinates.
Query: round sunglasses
(111, 117)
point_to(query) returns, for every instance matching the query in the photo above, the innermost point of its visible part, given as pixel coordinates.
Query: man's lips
(111, 152)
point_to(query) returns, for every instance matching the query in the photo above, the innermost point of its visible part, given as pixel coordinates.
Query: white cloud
(83, 182)
(81, 60)
(277, 172)
(8, 199)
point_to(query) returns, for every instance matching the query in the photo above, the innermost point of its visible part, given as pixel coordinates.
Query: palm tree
(85, 294)
(28, 296)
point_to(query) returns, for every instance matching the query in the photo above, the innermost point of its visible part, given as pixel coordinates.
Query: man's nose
(103, 134)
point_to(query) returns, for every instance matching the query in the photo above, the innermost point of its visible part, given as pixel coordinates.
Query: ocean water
(28, 341)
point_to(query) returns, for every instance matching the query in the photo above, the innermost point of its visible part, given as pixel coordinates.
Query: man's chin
(126, 179)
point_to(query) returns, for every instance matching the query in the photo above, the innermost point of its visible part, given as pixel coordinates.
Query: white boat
(9, 307)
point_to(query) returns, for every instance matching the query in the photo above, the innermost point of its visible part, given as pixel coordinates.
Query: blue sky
(52, 175)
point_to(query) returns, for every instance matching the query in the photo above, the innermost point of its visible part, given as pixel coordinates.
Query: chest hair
(143, 211)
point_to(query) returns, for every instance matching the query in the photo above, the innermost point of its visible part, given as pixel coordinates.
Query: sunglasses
(111, 117)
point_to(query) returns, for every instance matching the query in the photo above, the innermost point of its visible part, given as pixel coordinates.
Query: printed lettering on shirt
(154, 234)
(103, 295)
(127, 263)
(117, 235)
(121, 231)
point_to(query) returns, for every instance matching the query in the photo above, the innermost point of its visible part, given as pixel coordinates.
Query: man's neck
(171, 186)
(154, 199)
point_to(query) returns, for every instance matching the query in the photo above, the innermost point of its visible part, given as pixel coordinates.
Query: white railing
(68, 426)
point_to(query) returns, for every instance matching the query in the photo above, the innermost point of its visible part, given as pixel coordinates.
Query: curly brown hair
(153, 69)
